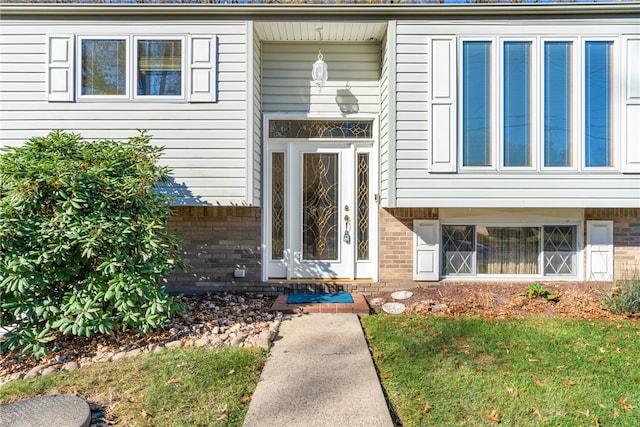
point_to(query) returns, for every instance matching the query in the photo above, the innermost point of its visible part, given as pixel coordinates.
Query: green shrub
(624, 298)
(83, 239)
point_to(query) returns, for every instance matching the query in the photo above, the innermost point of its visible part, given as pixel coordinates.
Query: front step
(321, 285)
(359, 306)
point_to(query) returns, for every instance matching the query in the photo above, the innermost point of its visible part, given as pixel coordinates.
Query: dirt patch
(501, 300)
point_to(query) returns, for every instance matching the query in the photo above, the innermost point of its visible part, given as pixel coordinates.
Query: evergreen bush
(83, 239)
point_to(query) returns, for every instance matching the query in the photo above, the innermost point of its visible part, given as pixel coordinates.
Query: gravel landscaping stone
(208, 321)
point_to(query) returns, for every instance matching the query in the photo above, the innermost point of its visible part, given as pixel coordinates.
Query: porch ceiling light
(320, 72)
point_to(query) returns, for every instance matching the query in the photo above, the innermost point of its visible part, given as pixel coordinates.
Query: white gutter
(310, 11)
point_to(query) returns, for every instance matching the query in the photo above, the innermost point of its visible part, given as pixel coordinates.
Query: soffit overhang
(320, 31)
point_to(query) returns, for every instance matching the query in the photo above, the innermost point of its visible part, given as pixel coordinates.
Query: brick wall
(217, 240)
(626, 239)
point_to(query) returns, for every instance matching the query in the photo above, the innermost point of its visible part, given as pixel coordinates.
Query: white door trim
(282, 269)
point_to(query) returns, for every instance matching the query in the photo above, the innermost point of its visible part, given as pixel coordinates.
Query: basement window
(528, 250)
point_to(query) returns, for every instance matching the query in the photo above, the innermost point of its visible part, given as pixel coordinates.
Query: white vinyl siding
(353, 86)
(205, 143)
(418, 185)
(413, 108)
(387, 114)
(256, 106)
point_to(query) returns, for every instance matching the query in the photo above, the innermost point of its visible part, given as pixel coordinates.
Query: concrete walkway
(319, 373)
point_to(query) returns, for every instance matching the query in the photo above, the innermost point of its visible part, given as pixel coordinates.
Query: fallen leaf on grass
(426, 408)
(231, 372)
(172, 381)
(537, 412)
(541, 383)
(570, 383)
(246, 399)
(625, 405)
(494, 416)
(513, 391)
(144, 413)
(223, 413)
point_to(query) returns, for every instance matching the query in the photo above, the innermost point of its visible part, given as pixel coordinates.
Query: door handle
(347, 227)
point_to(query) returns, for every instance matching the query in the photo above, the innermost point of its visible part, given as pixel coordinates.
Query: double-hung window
(539, 103)
(110, 67)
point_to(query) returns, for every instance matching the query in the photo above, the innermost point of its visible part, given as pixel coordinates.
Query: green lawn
(185, 387)
(435, 371)
(523, 372)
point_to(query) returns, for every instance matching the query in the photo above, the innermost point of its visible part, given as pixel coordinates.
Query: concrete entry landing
(359, 306)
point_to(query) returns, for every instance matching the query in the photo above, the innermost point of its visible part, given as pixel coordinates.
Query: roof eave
(316, 10)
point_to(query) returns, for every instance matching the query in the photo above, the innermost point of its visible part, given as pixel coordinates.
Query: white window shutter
(202, 68)
(60, 68)
(600, 250)
(426, 258)
(443, 132)
(631, 106)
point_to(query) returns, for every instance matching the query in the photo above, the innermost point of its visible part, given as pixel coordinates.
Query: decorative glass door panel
(322, 198)
(320, 191)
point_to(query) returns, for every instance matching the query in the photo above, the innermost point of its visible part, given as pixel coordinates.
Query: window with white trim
(159, 67)
(132, 67)
(527, 250)
(103, 67)
(537, 104)
(108, 67)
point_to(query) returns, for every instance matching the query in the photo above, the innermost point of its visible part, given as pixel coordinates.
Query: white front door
(320, 210)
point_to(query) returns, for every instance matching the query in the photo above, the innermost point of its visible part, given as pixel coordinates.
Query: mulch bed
(503, 300)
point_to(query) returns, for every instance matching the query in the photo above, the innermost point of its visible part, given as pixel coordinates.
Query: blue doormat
(323, 297)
